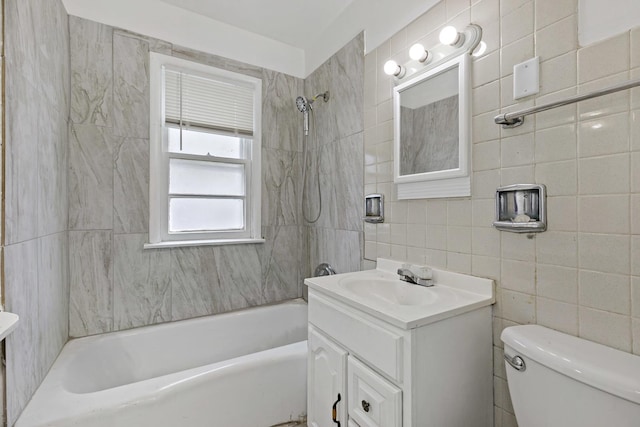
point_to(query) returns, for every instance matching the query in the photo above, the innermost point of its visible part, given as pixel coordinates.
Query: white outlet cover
(526, 78)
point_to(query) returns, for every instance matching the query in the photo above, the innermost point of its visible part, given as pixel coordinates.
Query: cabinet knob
(365, 406)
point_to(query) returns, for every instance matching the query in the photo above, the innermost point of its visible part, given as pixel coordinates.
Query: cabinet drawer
(380, 347)
(372, 400)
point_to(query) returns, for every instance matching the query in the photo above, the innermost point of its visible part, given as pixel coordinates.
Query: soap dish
(521, 208)
(374, 208)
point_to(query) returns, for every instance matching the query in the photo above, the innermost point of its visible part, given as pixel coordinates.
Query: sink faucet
(410, 277)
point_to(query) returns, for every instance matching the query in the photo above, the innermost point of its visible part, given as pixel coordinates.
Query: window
(205, 155)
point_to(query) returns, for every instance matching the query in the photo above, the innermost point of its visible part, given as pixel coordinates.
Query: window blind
(218, 105)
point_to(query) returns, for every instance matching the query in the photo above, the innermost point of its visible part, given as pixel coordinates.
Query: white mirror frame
(446, 183)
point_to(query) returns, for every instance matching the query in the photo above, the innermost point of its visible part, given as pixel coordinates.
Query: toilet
(558, 380)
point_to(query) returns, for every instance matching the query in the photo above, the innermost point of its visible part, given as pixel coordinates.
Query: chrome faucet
(410, 277)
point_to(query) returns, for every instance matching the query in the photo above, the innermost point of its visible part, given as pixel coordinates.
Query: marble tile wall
(581, 276)
(114, 283)
(335, 161)
(35, 248)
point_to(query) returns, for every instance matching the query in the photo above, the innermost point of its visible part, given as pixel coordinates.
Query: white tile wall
(604, 327)
(516, 53)
(517, 174)
(582, 276)
(592, 209)
(604, 252)
(548, 12)
(609, 292)
(558, 283)
(558, 73)
(556, 143)
(517, 23)
(557, 315)
(604, 59)
(605, 105)
(557, 39)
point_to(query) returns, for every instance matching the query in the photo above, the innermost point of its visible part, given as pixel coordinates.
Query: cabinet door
(373, 401)
(326, 381)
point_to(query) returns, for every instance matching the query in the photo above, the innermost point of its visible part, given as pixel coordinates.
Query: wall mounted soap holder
(521, 208)
(374, 208)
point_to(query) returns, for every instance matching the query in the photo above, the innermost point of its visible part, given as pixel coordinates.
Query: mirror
(432, 128)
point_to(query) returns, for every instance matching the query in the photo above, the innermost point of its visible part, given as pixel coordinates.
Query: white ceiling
(297, 23)
(290, 36)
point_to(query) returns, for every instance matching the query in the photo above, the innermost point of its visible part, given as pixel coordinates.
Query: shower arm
(325, 96)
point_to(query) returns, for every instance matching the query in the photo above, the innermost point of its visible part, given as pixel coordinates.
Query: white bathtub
(244, 369)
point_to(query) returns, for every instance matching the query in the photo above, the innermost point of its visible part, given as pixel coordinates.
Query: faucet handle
(422, 272)
(419, 271)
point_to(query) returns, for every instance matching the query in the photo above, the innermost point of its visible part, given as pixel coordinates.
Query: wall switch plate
(526, 78)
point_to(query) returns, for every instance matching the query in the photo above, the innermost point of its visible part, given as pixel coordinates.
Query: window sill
(188, 243)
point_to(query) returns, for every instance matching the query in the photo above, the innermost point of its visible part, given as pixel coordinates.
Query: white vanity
(384, 353)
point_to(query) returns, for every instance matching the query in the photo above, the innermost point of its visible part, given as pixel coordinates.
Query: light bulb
(480, 50)
(417, 52)
(391, 68)
(449, 35)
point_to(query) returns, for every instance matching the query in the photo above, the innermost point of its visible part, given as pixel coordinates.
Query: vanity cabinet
(436, 374)
(327, 376)
(340, 380)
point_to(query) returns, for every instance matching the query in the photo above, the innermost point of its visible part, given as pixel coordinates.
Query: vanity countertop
(382, 294)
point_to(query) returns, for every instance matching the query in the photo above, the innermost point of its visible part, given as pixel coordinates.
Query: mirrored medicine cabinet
(432, 123)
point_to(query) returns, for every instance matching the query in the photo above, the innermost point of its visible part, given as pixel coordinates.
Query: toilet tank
(569, 381)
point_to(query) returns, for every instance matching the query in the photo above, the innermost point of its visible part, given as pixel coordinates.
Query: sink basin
(390, 291)
(381, 294)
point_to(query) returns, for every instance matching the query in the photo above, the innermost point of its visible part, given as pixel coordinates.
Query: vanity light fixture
(391, 68)
(450, 36)
(417, 52)
(480, 50)
(453, 43)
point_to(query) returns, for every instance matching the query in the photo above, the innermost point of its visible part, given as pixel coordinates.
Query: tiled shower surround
(582, 276)
(35, 246)
(115, 283)
(335, 145)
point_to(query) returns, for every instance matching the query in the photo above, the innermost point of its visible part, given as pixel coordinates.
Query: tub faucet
(410, 277)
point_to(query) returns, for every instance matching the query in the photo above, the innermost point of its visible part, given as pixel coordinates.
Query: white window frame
(159, 235)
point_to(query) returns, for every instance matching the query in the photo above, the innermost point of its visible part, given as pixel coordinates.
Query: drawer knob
(365, 406)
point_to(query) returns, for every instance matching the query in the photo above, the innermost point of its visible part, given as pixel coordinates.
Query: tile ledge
(188, 243)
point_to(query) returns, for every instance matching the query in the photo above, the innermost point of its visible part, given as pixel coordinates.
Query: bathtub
(240, 369)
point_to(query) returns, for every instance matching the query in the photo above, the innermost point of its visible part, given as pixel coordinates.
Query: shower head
(304, 106)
